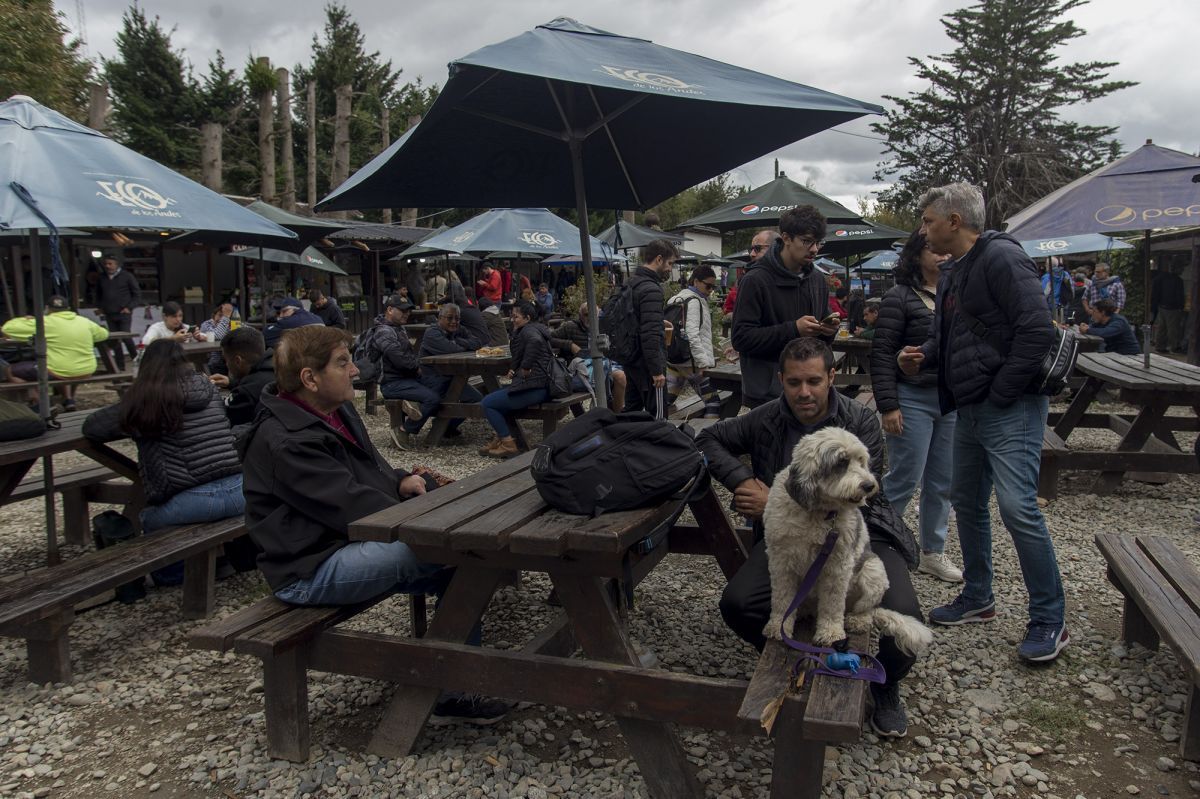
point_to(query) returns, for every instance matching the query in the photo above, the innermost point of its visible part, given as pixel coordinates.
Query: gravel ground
(147, 716)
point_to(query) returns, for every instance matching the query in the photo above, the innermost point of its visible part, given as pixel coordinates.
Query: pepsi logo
(749, 209)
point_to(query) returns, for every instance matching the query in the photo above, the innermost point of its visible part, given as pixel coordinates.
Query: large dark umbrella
(567, 114)
(57, 173)
(1152, 187)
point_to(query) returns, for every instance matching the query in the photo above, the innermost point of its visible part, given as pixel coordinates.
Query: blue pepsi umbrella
(1071, 245)
(1151, 187)
(523, 232)
(882, 261)
(567, 114)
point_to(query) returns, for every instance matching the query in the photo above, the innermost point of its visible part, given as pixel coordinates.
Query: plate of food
(491, 352)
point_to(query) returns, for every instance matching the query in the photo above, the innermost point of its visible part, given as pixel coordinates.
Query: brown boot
(487, 448)
(505, 449)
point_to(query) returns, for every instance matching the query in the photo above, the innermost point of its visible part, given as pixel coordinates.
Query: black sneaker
(888, 717)
(469, 709)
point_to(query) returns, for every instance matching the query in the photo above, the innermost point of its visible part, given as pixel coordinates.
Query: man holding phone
(780, 298)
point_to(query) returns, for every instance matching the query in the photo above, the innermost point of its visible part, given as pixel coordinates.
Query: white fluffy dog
(827, 481)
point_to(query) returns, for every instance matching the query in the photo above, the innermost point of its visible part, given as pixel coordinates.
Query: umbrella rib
(514, 123)
(603, 123)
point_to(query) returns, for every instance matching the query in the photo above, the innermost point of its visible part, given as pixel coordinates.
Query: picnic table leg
(48, 648)
(75, 516)
(371, 390)
(1189, 743)
(600, 633)
(1078, 407)
(1147, 421)
(460, 610)
(285, 705)
(711, 518)
(199, 584)
(441, 424)
(798, 765)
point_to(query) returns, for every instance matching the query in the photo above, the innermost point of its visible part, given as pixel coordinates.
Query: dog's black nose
(868, 487)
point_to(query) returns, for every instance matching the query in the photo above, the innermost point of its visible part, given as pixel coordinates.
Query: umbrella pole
(39, 349)
(589, 276)
(1146, 287)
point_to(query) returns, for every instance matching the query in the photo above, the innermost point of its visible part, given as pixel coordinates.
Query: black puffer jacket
(651, 359)
(770, 432)
(904, 320)
(199, 452)
(770, 299)
(1000, 287)
(531, 350)
(397, 358)
(305, 483)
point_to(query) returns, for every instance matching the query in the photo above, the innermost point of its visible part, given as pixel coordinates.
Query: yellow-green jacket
(70, 341)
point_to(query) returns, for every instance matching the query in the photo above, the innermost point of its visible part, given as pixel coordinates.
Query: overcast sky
(857, 48)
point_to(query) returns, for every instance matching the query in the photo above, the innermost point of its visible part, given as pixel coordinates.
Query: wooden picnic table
(198, 352)
(422, 314)
(727, 377)
(18, 457)
(460, 367)
(494, 522)
(1148, 445)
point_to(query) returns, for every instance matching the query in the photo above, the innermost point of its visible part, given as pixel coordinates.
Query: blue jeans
(209, 502)
(427, 392)
(362, 570)
(922, 454)
(498, 403)
(1003, 447)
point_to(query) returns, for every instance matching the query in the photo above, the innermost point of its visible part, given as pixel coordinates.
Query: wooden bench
(692, 406)
(372, 399)
(1162, 600)
(79, 486)
(828, 710)
(40, 606)
(114, 379)
(278, 634)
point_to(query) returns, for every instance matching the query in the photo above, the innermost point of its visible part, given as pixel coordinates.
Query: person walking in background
(531, 356)
(781, 297)
(697, 326)
(992, 288)
(1167, 309)
(646, 370)
(1106, 286)
(1057, 287)
(920, 440)
(117, 294)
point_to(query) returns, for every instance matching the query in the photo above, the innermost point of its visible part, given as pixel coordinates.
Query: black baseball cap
(396, 301)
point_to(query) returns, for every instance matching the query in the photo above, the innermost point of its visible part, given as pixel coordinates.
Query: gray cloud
(858, 48)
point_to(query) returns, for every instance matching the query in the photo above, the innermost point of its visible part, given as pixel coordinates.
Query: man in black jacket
(646, 371)
(117, 294)
(251, 368)
(310, 470)
(768, 434)
(782, 296)
(991, 331)
(326, 309)
(399, 371)
(447, 337)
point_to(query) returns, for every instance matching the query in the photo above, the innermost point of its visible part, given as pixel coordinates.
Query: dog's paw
(828, 634)
(859, 622)
(772, 630)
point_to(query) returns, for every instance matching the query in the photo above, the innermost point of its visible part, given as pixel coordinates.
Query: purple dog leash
(836, 662)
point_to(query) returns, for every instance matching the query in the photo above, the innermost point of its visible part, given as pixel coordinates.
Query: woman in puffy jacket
(919, 438)
(190, 471)
(531, 357)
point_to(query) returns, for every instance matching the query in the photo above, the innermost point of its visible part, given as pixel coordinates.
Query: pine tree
(222, 98)
(37, 59)
(992, 113)
(154, 95)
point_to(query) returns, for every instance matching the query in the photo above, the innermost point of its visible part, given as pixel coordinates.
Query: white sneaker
(937, 564)
(411, 410)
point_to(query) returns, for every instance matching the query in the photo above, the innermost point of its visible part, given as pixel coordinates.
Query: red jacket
(730, 300)
(493, 286)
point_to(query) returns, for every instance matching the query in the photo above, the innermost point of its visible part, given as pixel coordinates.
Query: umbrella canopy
(841, 239)
(311, 258)
(636, 236)
(517, 232)
(712, 259)
(1152, 187)
(1071, 245)
(761, 207)
(882, 261)
(567, 115)
(83, 179)
(575, 259)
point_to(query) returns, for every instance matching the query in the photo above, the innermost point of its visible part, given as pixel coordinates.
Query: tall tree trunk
(266, 141)
(311, 172)
(385, 123)
(98, 106)
(212, 166)
(341, 139)
(283, 93)
(408, 216)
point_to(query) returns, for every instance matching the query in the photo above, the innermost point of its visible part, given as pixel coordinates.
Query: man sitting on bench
(310, 470)
(70, 347)
(768, 434)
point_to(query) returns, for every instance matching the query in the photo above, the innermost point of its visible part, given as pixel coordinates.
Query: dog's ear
(800, 488)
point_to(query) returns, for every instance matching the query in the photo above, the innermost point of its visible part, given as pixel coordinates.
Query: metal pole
(39, 349)
(589, 278)
(1146, 287)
